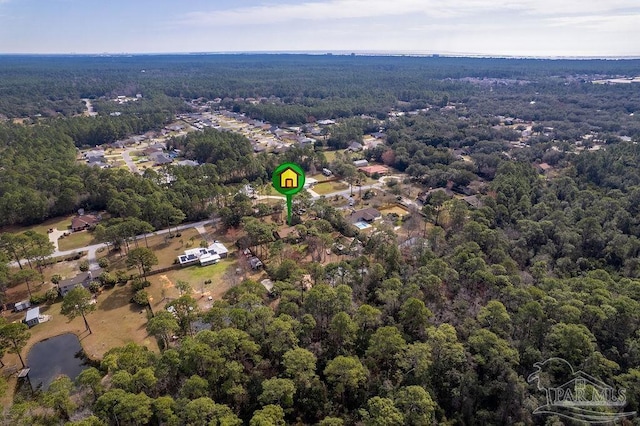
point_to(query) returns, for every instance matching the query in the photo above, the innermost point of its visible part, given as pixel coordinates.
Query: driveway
(127, 159)
(55, 236)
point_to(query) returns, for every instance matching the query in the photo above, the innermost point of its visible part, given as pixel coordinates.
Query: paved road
(93, 249)
(344, 193)
(347, 192)
(90, 111)
(127, 159)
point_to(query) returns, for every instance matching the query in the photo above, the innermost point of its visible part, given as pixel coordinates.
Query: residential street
(92, 249)
(127, 159)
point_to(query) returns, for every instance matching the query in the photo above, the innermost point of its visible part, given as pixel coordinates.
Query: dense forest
(442, 328)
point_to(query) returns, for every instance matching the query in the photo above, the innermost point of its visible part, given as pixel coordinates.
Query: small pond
(52, 357)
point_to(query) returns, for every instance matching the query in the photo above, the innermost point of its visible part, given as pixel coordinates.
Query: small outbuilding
(21, 306)
(33, 317)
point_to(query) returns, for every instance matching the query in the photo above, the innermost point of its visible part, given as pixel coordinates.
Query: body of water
(55, 356)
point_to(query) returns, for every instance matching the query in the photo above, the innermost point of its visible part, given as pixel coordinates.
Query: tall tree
(163, 325)
(15, 335)
(26, 276)
(300, 365)
(171, 215)
(278, 391)
(345, 374)
(417, 405)
(14, 246)
(186, 310)
(92, 379)
(382, 412)
(269, 415)
(78, 302)
(142, 258)
(38, 248)
(58, 397)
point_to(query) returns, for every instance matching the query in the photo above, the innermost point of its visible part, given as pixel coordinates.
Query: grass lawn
(325, 188)
(320, 177)
(330, 155)
(115, 322)
(166, 249)
(395, 209)
(62, 223)
(196, 276)
(76, 240)
(368, 181)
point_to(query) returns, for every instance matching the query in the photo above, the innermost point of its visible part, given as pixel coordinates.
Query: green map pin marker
(288, 179)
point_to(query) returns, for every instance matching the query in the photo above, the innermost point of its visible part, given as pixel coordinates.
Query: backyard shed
(33, 317)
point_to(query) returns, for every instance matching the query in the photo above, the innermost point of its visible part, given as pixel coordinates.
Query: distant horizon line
(370, 53)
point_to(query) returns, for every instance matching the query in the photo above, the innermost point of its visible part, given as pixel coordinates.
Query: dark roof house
(255, 263)
(160, 158)
(82, 279)
(85, 221)
(367, 215)
(355, 146)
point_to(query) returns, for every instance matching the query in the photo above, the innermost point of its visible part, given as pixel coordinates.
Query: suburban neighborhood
(270, 239)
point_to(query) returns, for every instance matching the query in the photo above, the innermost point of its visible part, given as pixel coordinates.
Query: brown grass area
(76, 240)
(115, 322)
(325, 188)
(62, 223)
(64, 269)
(220, 274)
(166, 249)
(395, 209)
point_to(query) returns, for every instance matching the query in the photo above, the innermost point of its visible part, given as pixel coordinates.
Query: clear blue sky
(489, 27)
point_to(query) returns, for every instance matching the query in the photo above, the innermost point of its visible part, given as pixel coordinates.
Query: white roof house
(310, 182)
(22, 305)
(209, 259)
(219, 248)
(33, 316)
(204, 256)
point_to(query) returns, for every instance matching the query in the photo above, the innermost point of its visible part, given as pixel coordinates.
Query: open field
(163, 290)
(395, 209)
(76, 240)
(330, 155)
(62, 223)
(114, 312)
(166, 249)
(325, 188)
(113, 308)
(320, 177)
